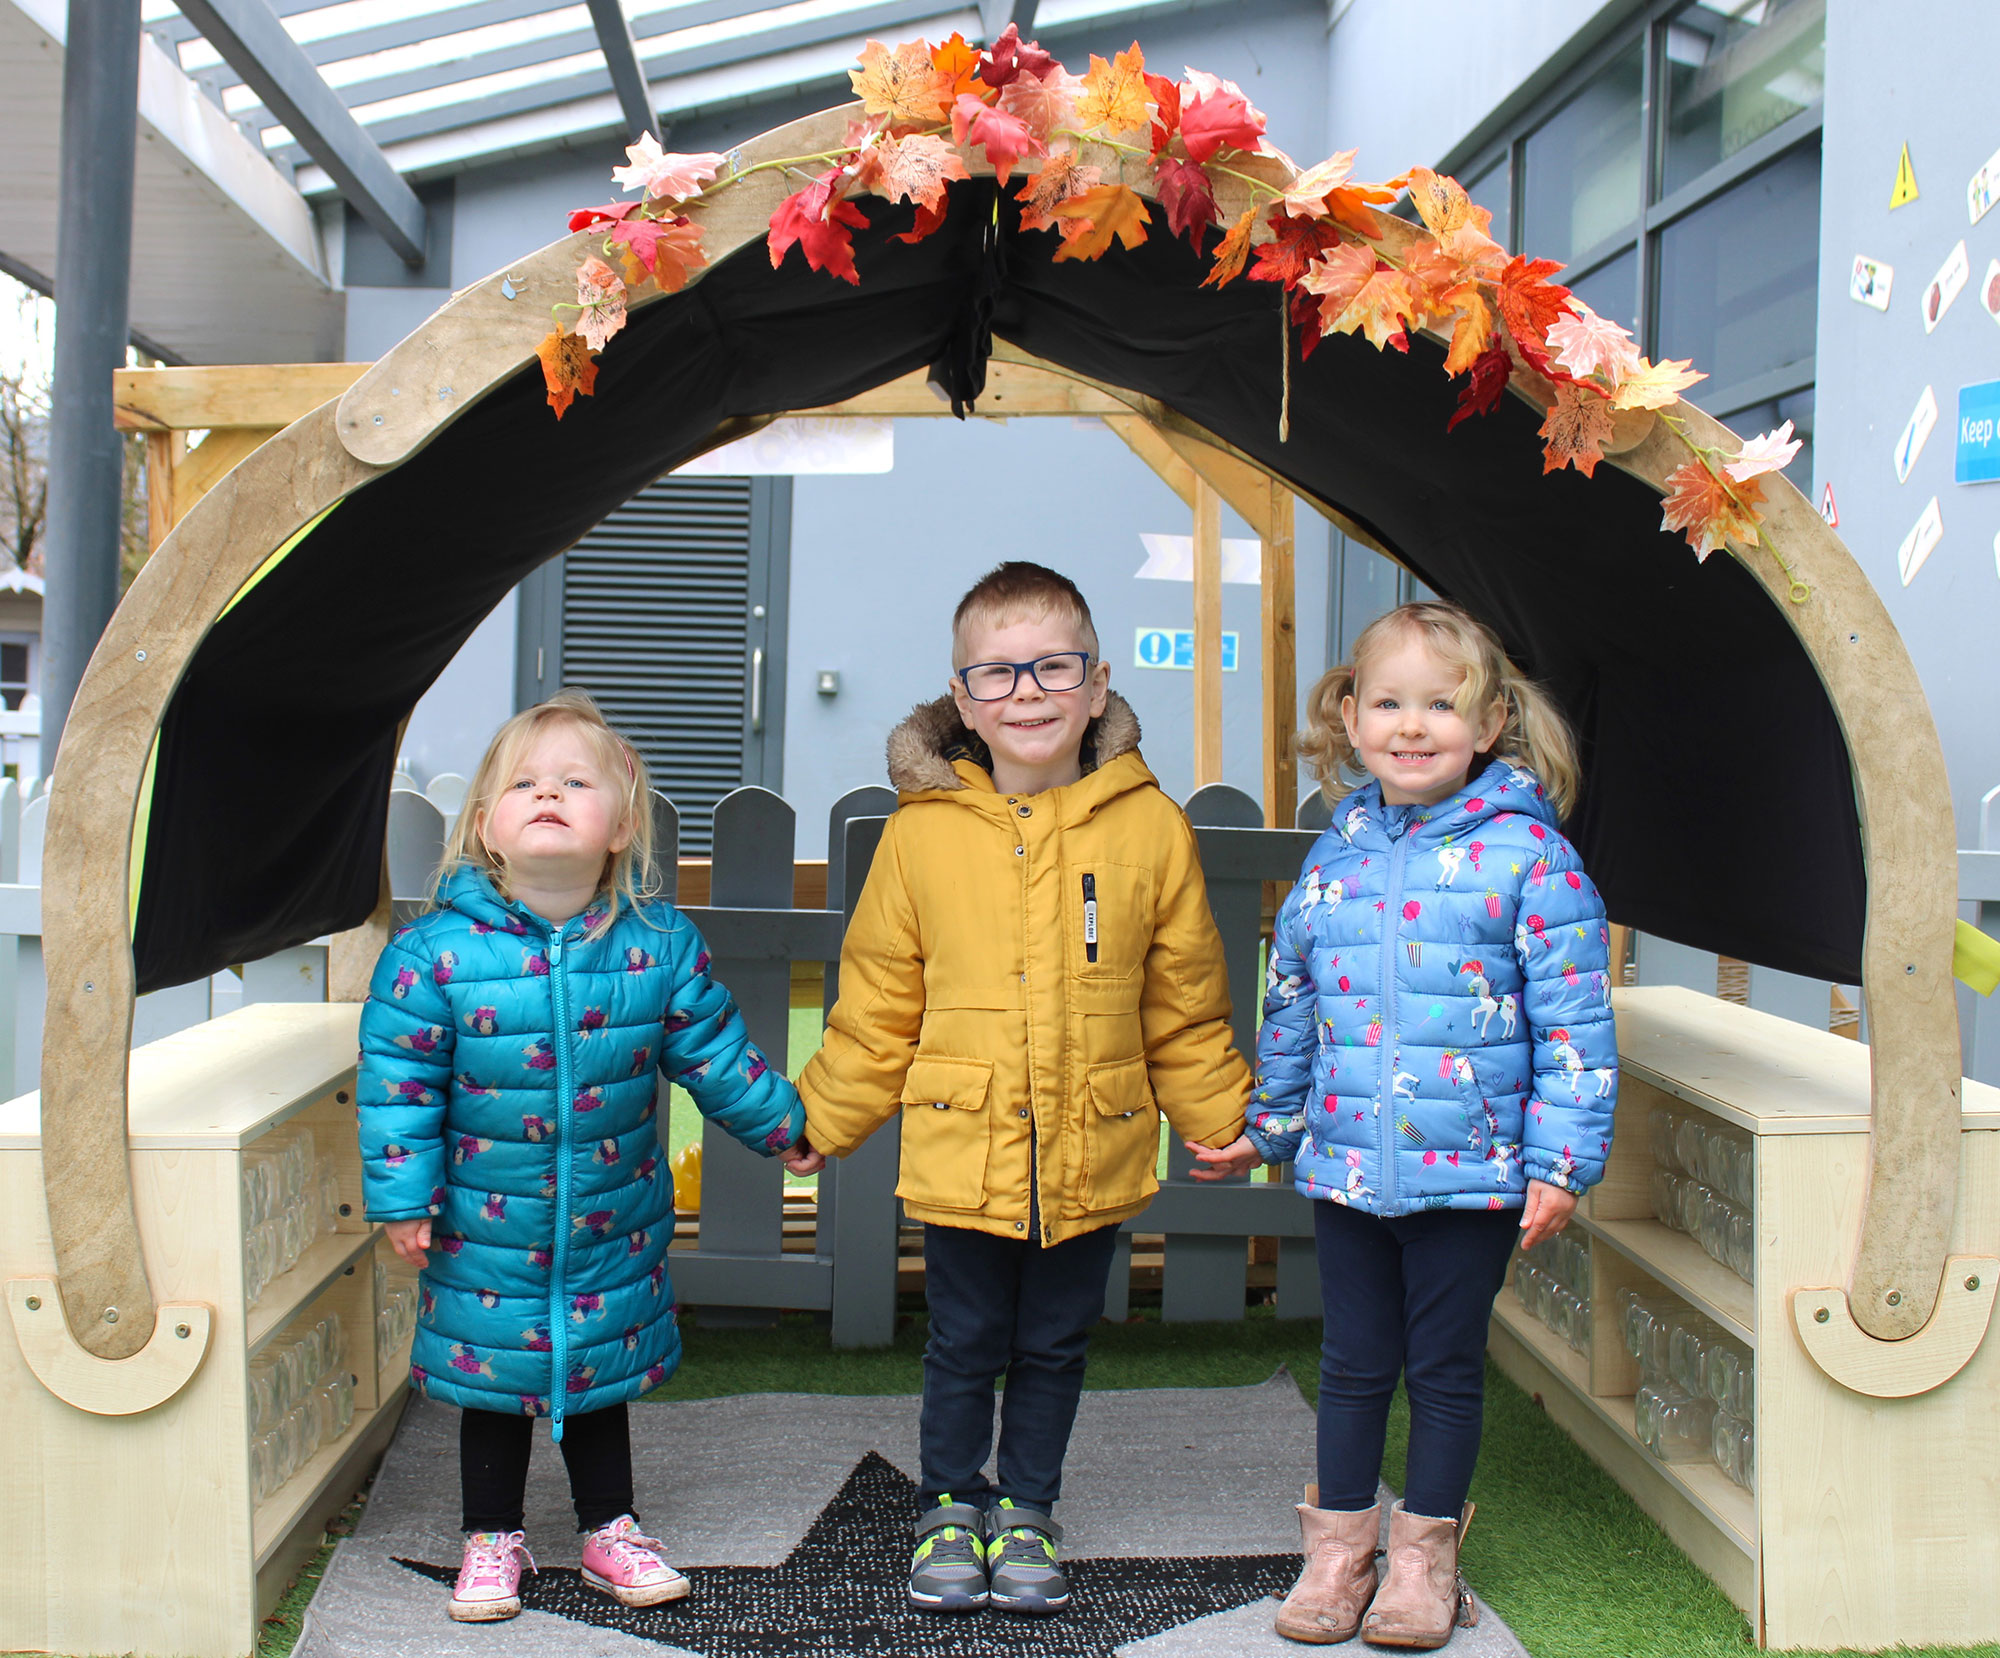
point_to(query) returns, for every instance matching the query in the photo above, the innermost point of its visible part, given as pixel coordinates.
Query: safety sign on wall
(1174, 648)
(1978, 434)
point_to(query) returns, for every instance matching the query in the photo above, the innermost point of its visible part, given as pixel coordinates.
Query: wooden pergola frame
(1903, 1321)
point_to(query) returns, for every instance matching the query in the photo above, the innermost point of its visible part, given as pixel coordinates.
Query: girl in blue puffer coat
(1437, 1061)
(511, 1049)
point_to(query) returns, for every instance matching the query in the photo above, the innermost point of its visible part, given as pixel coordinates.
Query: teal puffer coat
(508, 1087)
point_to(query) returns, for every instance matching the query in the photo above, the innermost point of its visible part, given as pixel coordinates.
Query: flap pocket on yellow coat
(1124, 1135)
(946, 1134)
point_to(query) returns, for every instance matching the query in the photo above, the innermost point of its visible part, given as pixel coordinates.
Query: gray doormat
(791, 1512)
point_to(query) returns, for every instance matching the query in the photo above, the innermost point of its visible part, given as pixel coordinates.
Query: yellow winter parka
(1022, 1055)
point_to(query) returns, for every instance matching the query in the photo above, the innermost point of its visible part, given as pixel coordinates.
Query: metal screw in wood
(183, 1331)
(34, 1303)
(1821, 1316)
(1972, 1283)
(110, 1315)
(1894, 1298)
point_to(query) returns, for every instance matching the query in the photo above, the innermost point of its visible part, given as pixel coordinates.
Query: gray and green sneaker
(1021, 1560)
(948, 1568)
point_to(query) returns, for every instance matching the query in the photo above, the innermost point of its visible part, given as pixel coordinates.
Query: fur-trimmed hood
(923, 746)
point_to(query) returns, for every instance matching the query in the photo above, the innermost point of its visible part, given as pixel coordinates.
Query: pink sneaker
(625, 1563)
(489, 1581)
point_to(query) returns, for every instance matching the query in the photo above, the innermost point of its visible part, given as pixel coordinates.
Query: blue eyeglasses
(993, 681)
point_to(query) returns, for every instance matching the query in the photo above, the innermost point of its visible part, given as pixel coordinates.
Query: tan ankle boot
(1422, 1596)
(1325, 1605)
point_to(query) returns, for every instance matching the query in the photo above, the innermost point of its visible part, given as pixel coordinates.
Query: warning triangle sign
(1827, 509)
(1906, 182)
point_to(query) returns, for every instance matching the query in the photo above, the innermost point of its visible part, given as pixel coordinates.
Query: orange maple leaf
(1708, 511)
(1471, 333)
(1337, 275)
(1232, 251)
(1529, 303)
(1114, 97)
(1576, 430)
(1060, 178)
(903, 85)
(915, 168)
(1383, 310)
(1353, 205)
(961, 63)
(1443, 205)
(569, 368)
(1113, 210)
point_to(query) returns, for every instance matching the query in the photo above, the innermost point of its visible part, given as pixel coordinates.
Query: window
(14, 682)
(1734, 72)
(1581, 167)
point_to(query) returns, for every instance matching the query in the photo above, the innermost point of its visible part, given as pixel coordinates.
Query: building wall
(1924, 78)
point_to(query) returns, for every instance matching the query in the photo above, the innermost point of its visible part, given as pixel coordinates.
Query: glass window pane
(1735, 70)
(1612, 290)
(1581, 166)
(1765, 417)
(1492, 191)
(1738, 276)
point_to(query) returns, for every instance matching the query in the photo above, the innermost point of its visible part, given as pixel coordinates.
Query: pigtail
(1323, 745)
(1537, 734)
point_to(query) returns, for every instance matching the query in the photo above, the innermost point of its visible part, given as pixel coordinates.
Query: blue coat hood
(1437, 1014)
(508, 1087)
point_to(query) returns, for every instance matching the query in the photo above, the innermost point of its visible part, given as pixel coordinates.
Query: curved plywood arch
(483, 340)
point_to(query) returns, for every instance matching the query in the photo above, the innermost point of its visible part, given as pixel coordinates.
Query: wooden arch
(488, 333)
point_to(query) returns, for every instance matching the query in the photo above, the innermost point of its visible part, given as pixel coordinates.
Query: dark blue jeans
(998, 1307)
(1409, 1296)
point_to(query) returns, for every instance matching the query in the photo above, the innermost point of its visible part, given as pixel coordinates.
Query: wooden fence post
(1208, 635)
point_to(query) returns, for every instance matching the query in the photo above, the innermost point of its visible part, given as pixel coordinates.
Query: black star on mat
(842, 1591)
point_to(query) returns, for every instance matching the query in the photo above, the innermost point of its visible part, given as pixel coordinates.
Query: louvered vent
(655, 601)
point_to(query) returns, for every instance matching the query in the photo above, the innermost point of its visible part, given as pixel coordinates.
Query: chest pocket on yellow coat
(946, 1132)
(1123, 911)
(1124, 1130)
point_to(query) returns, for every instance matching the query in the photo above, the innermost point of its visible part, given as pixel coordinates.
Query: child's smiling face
(1405, 729)
(1035, 736)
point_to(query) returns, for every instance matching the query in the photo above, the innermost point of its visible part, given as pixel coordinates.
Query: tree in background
(24, 479)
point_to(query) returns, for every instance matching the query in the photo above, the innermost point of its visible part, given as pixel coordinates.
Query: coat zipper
(559, 1264)
(1386, 1088)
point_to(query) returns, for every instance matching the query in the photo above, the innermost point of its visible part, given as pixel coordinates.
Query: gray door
(671, 612)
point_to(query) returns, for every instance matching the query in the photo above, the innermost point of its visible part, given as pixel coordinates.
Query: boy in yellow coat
(1032, 978)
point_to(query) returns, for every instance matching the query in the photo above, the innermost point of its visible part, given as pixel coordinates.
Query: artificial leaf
(1294, 244)
(1304, 312)
(820, 225)
(927, 222)
(1218, 114)
(1585, 344)
(1576, 430)
(1336, 276)
(1306, 196)
(1003, 135)
(662, 175)
(600, 294)
(1654, 385)
(1114, 98)
(666, 248)
(568, 369)
(610, 213)
(1011, 57)
(1352, 204)
(914, 168)
(961, 63)
(903, 85)
(1060, 179)
(1384, 309)
(1232, 251)
(1708, 512)
(1772, 452)
(1529, 302)
(1045, 102)
(1166, 109)
(1443, 205)
(1471, 333)
(1113, 210)
(1487, 380)
(1188, 197)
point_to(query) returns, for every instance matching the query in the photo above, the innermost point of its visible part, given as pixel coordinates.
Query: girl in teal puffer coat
(1437, 1060)
(511, 1049)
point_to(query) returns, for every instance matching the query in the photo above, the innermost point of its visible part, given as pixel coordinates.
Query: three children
(1031, 981)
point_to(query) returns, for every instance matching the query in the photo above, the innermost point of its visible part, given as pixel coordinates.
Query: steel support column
(100, 136)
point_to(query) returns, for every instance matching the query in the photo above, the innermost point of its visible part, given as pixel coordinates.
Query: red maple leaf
(1305, 318)
(1297, 243)
(820, 226)
(1223, 117)
(1529, 303)
(927, 221)
(1485, 381)
(610, 213)
(1004, 137)
(668, 248)
(1010, 57)
(1185, 192)
(1166, 109)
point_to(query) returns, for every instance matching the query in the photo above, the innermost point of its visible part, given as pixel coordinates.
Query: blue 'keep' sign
(1978, 433)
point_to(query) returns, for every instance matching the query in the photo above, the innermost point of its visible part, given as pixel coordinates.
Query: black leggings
(1412, 1296)
(493, 1451)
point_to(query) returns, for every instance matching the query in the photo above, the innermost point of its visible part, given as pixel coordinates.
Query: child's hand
(1547, 1213)
(410, 1239)
(1219, 1163)
(802, 1159)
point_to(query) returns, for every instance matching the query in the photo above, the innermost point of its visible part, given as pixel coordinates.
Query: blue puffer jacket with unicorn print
(1437, 1015)
(508, 1087)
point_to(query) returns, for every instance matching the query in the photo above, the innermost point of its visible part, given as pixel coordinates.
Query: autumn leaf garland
(926, 108)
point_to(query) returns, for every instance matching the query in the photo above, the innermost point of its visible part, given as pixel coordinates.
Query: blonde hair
(1535, 733)
(627, 873)
(1015, 590)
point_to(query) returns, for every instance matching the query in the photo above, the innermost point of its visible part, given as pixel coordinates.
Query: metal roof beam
(254, 43)
(995, 15)
(621, 57)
